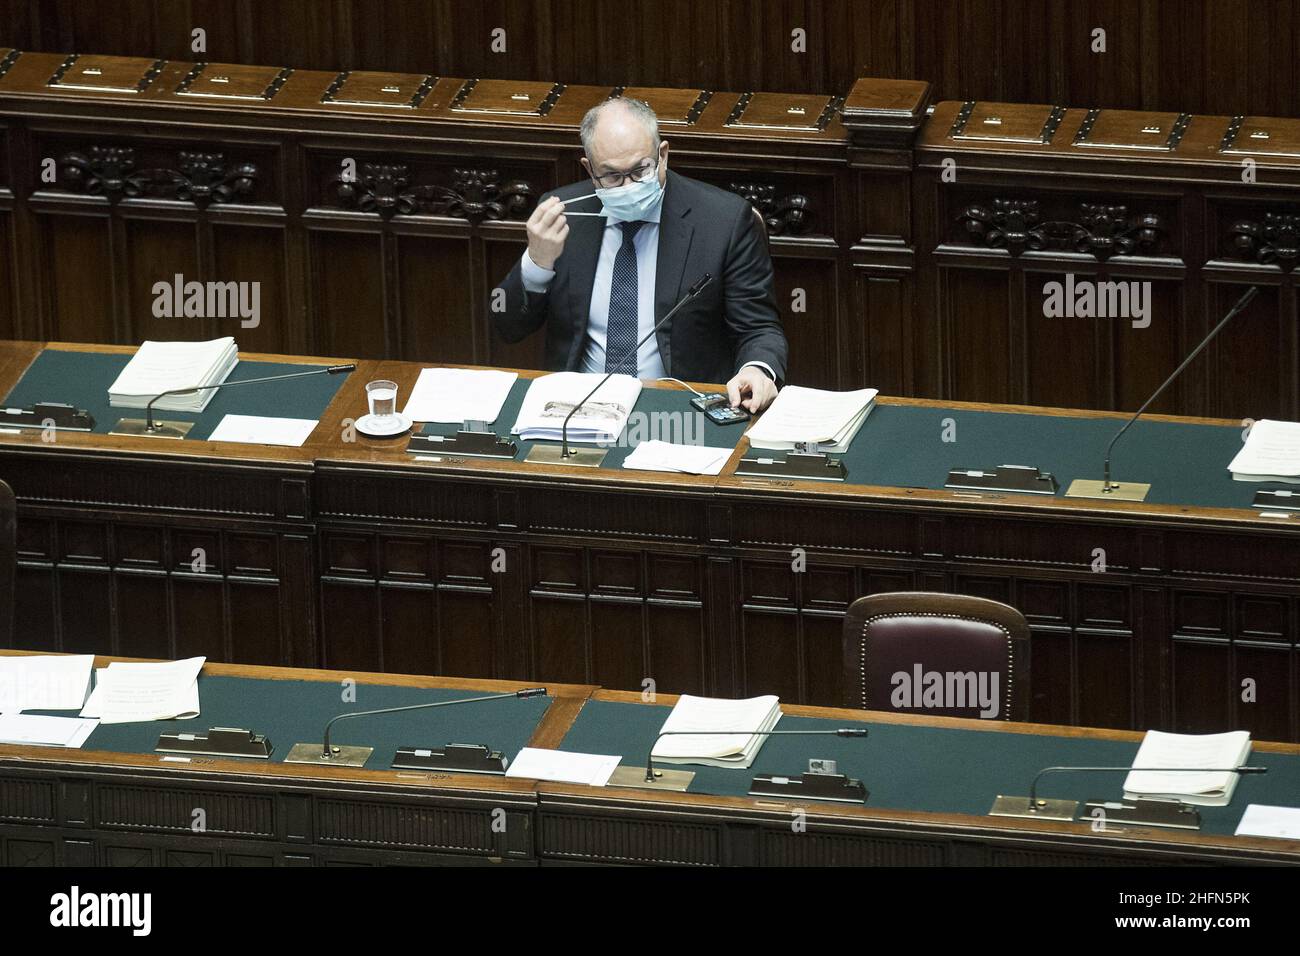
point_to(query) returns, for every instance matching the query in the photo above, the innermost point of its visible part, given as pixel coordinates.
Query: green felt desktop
(910, 446)
(925, 769)
(660, 413)
(83, 379)
(295, 711)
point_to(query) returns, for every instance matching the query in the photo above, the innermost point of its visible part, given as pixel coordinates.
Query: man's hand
(752, 388)
(547, 230)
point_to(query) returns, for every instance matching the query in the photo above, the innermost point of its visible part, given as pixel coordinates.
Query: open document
(707, 719)
(1271, 453)
(812, 415)
(455, 395)
(129, 693)
(601, 418)
(1191, 751)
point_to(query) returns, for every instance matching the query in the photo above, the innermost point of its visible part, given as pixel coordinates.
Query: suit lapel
(675, 231)
(582, 250)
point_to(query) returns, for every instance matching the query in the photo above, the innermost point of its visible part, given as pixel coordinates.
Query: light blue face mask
(632, 201)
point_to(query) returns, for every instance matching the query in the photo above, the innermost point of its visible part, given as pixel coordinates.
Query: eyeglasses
(638, 175)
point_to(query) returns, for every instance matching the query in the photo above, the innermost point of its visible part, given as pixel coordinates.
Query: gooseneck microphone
(148, 428)
(651, 772)
(691, 294)
(1036, 804)
(1133, 491)
(327, 370)
(328, 752)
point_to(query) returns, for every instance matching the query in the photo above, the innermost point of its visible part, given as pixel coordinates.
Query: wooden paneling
(1218, 56)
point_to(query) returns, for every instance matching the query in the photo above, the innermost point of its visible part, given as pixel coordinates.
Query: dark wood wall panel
(77, 287)
(1217, 56)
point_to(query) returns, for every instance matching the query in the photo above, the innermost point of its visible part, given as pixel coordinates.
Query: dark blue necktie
(620, 332)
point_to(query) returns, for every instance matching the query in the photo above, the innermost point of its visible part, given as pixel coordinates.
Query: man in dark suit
(602, 270)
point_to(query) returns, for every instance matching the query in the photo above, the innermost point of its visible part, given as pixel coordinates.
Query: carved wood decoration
(784, 214)
(1272, 240)
(475, 195)
(1099, 230)
(200, 178)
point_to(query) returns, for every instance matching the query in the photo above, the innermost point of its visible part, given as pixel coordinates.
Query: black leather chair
(895, 643)
(8, 563)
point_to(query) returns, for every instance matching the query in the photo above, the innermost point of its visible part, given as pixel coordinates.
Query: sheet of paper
(1262, 820)
(44, 682)
(455, 395)
(128, 693)
(262, 430)
(656, 455)
(32, 729)
(1271, 448)
(536, 764)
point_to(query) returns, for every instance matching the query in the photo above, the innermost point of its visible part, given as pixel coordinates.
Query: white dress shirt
(646, 242)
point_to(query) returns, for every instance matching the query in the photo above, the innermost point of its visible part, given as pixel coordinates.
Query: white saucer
(375, 427)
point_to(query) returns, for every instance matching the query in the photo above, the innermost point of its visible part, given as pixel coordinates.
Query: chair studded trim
(1011, 652)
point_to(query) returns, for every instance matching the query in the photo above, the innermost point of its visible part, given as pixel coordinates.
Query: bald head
(620, 134)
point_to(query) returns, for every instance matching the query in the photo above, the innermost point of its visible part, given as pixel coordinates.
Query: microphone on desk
(148, 428)
(348, 756)
(592, 457)
(680, 779)
(1133, 490)
(1142, 812)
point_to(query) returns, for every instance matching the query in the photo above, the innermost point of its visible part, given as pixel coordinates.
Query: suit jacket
(701, 229)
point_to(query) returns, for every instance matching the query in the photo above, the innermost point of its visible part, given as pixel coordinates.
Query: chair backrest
(8, 562)
(946, 655)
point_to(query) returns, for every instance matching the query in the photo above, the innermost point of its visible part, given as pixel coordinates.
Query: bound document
(159, 367)
(601, 419)
(1191, 751)
(812, 415)
(714, 747)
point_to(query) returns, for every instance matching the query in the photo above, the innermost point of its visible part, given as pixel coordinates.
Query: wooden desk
(114, 808)
(351, 554)
(135, 807)
(615, 825)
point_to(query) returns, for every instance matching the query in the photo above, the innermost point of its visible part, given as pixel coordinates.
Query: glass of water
(382, 396)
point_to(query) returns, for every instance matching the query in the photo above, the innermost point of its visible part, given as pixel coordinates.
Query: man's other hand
(547, 230)
(751, 388)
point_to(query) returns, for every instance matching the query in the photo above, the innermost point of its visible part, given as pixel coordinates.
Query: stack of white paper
(129, 693)
(44, 682)
(35, 730)
(601, 418)
(1191, 751)
(537, 764)
(1271, 453)
(456, 395)
(812, 415)
(707, 718)
(656, 455)
(159, 367)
